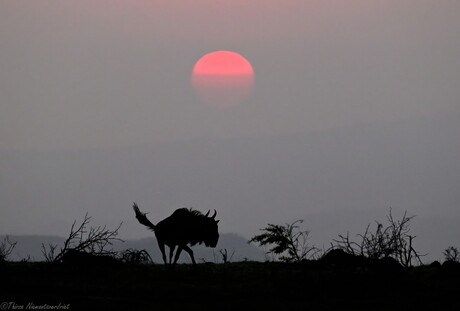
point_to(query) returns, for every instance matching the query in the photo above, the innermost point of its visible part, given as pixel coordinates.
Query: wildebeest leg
(179, 250)
(190, 252)
(162, 249)
(171, 252)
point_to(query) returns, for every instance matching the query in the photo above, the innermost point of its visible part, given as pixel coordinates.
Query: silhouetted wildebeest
(184, 226)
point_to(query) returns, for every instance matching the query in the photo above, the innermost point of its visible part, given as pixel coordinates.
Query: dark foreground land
(234, 286)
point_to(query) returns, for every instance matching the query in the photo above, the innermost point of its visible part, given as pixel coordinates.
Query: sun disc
(223, 78)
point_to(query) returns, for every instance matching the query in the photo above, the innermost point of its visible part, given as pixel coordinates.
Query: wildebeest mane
(187, 212)
(194, 221)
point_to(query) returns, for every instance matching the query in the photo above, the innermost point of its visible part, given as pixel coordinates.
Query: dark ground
(234, 286)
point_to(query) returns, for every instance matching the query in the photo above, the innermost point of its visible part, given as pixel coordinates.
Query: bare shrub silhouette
(451, 254)
(289, 242)
(391, 241)
(225, 257)
(134, 256)
(94, 241)
(6, 248)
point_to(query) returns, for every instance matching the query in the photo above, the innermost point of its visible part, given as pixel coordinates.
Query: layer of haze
(356, 107)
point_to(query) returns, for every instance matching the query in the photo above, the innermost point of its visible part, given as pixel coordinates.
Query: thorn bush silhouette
(289, 242)
(391, 241)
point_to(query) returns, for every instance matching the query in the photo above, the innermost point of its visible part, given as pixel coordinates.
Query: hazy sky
(355, 106)
(96, 74)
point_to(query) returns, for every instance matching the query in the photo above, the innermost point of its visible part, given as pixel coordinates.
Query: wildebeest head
(210, 230)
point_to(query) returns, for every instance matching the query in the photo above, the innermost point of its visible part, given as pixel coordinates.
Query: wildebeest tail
(142, 218)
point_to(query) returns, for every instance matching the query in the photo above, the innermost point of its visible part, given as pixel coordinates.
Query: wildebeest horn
(207, 213)
(214, 216)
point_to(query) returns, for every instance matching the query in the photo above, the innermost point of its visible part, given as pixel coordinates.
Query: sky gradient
(92, 74)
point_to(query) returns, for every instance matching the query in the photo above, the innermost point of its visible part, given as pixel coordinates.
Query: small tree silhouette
(287, 239)
(93, 241)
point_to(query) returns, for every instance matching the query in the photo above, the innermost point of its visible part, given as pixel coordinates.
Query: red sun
(223, 78)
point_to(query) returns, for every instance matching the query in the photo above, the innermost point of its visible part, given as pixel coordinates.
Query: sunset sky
(98, 74)
(81, 76)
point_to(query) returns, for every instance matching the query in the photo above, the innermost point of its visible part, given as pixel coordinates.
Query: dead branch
(94, 240)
